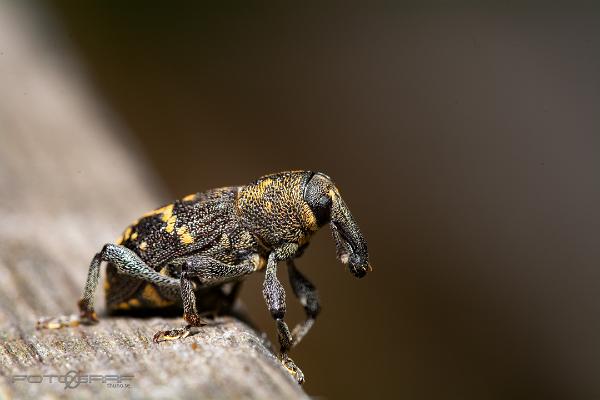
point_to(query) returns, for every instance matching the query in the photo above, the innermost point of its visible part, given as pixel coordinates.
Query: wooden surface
(69, 183)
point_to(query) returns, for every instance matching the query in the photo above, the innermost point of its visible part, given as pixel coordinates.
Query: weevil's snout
(350, 244)
(358, 267)
(328, 206)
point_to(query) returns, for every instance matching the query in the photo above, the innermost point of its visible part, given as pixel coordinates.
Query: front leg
(208, 271)
(274, 295)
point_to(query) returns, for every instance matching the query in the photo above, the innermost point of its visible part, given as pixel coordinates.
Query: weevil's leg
(274, 295)
(126, 262)
(207, 271)
(306, 292)
(87, 315)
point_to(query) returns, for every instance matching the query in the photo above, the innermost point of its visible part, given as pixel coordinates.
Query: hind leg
(126, 262)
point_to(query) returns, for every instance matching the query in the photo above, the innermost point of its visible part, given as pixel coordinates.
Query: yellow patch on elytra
(166, 214)
(151, 294)
(184, 235)
(168, 209)
(127, 233)
(134, 302)
(170, 223)
(119, 240)
(122, 306)
(186, 238)
(190, 197)
(106, 285)
(134, 236)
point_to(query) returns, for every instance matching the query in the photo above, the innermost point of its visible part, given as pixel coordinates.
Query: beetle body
(214, 224)
(182, 254)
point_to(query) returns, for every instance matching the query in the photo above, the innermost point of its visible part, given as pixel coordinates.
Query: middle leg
(207, 271)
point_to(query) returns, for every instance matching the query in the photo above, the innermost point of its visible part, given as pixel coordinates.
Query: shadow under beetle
(172, 255)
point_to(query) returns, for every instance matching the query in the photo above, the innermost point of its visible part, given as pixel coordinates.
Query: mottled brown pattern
(226, 224)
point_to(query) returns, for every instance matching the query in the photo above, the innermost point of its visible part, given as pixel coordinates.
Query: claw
(292, 368)
(62, 321)
(88, 318)
(195, 319)
(87, 315)
(173, 334)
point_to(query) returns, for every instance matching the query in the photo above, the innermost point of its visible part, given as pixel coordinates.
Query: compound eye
(317, 195)
(322, 209)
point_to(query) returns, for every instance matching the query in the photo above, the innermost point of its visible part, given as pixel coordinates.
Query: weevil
(176, 254)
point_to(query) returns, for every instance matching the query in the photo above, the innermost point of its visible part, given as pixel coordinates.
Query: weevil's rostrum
(181, 254)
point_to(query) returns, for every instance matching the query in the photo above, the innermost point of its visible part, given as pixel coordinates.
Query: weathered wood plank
(68, 185)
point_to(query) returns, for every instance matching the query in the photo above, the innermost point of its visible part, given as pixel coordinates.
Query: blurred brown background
(464, 139)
